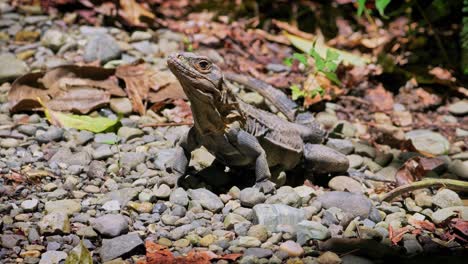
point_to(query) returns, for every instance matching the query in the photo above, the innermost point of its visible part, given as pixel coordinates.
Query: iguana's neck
(213, 116)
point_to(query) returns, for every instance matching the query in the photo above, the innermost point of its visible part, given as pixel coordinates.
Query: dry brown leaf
(442, 76)
(139, 79)
(132, 12)
(380, 98)
(81, 99)
(65, 88)
(415, 169)
(168, 88)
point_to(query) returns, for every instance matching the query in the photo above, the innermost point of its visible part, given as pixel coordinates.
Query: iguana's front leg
(249, 145)
(179, 163)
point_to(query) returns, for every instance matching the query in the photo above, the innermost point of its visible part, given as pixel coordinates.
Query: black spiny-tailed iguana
(238, 134)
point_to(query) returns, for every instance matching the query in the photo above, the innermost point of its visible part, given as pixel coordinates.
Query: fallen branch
(167, 124)
(448, 183)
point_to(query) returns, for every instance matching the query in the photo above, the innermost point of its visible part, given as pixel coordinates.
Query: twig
(167, 124)
(448, 183)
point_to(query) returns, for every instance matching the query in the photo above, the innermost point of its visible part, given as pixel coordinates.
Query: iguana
(238, 134)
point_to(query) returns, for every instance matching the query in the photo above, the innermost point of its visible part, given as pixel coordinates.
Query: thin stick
(448, 183)
(167, 124)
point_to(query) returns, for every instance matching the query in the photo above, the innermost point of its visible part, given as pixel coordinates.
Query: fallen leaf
(82, 100)
(133, 12)
(424, 224)
(232, 256)
(81, 122)
(167, 88)
(380, 98)
(79, 255)
(66, 88)
(181, 113)
(397, 236)
(460, 225)
(415, 169)
(442, 76)
(139, 79)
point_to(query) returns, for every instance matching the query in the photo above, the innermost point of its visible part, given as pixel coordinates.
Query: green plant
(326, 66)
(380, 5)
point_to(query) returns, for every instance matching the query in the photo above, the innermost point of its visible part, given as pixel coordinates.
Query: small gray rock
(101, 47)
(344, 183)
(251, 196)
(121, 105)
(55, 223)
(53, 39)
(446, 198)
(307, 230)
(274, 215)
(459, 108)
(357, 205)
(52, 257)
(10, 240)
(111, 225)
(179, 196)
(125, 245)
(30, 205)
(429, 142)
(441, 215)
(52, 134)
(11, 67)
(206, 199)
(258, 252)
(285, 195)
(459, 168)
(342, 145)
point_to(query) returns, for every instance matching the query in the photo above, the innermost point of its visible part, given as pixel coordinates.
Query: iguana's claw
(265, 186)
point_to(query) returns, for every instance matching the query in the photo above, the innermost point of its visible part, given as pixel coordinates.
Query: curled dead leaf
(133, 13)
(138, 78)
(380, 98)
(415, 169)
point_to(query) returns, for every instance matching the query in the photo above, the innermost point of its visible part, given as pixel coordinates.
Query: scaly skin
(236, 133)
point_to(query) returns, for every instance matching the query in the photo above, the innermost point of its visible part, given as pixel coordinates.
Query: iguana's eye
(204, 65)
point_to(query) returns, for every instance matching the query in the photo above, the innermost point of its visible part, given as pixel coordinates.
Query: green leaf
(288, 62)
(332, 77)
(321, 48)
(331, 66)
(296, 92)
(381, 5)
(361, 7)
(82, 122)
(301, 58)
(332, 55)
(79, 255)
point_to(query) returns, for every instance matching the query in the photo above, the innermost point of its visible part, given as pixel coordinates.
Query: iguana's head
(199, 77)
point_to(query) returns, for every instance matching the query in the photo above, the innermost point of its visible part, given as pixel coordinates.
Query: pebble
(11, 67)
(111, 225)
(273, 215)
(52, 134)
(344, 183)
(459, 168)
(258, 231)
(130, 160)
(101, 47)
(459, 108)
(307, 230)
(285, 195)
(248, 242)
(342, 145)
(207, 199)
(258, 252)
(55, 223)
(446, 198)
(122, 245)
(292, 248)
(121, 105)
(53, 39)
(429, 142)
(251, 196)
(30, 205)
(52, 257)
(9, 143)
(329, 258)
(179, 196)
(162, 192)
(127, 133)
(364, 150)
(356, 204)
(441, 215)
(66, 206)
(355, 161)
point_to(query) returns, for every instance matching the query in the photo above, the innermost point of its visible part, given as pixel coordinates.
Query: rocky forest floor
(92, 186)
